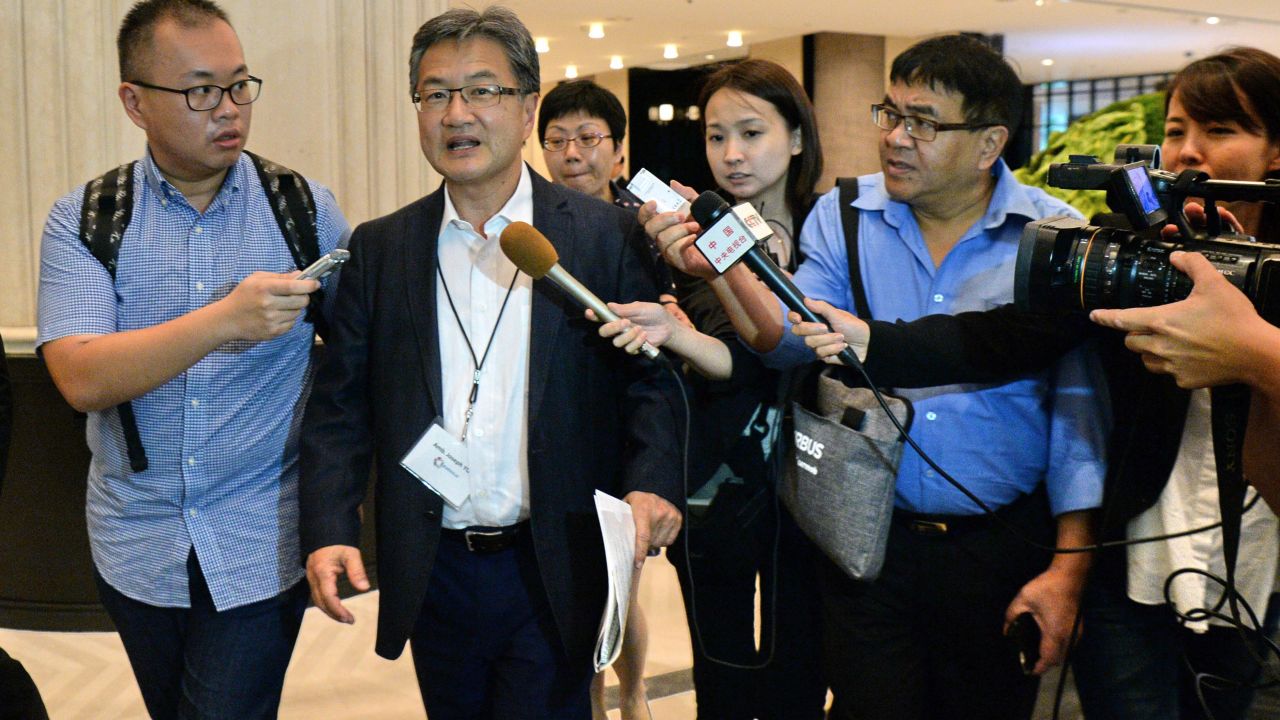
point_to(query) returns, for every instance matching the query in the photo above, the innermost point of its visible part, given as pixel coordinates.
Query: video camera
(1067, 264)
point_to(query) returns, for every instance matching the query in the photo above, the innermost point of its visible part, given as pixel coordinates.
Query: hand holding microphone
(720, 222)
(534, 255)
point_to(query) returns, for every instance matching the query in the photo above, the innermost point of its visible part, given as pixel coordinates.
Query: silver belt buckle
(467, 535)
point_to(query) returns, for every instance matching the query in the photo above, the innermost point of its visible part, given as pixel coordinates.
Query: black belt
(940, 525)
(485, 540)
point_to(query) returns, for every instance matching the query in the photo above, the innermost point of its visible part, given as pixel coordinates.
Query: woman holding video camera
(1135, 659)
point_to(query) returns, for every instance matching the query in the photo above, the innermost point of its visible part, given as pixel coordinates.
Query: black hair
(496, 23)
(773, 83)
(588, 98)
(138, 28)
(1241, 84)
(964, 65)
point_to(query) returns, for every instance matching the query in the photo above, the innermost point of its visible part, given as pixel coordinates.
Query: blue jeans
(1135, 662)
(200, 663)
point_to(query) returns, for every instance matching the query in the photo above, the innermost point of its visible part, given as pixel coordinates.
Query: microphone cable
(695, 629)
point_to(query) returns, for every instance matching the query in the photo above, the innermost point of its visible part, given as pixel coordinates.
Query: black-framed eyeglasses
(585, 140)
(917, 127)
(208, 97)
(478, 96)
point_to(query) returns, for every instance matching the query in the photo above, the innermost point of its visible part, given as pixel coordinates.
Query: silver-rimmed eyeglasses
(477, 96)
(585, 140)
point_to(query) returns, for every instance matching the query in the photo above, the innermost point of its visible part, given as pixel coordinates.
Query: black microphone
(707, 209)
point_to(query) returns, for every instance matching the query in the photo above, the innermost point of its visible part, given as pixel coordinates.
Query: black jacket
(597, 417)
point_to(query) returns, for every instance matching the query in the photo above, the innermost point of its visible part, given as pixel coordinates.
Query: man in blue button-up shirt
(197, 556)
(938, 231)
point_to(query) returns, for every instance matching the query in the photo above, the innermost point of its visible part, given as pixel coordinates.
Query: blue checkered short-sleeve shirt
(222, 437)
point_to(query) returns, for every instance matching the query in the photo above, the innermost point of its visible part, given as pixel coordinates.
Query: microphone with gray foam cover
(533, 253)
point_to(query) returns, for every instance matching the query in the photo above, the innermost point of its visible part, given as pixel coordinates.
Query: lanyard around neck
(477, 364)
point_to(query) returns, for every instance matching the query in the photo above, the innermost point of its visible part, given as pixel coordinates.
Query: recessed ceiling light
(615, 62)
(669, 51)
(571, 71)
(541, 45)
(1046, 62)
(735, 39)
(666, 112)
(1213, 20)
(709, 56)
(596, 31)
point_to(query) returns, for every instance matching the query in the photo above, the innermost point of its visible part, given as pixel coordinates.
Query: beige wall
(848, 77)
(787, 52)
(334, 106)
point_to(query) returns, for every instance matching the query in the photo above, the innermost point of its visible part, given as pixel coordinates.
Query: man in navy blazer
(495, 573)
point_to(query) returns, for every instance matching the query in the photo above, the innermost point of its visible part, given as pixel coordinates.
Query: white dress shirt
(1190, 500)
(477, 275)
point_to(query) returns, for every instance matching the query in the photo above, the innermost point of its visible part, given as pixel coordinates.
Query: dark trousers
(925, 639)
(19, 698)
(200, 663)
(727, 550)
(485, 645)
(1135, 662)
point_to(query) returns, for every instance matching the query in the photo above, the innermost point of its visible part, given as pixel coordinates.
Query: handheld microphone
(533, 253)
(710, 210)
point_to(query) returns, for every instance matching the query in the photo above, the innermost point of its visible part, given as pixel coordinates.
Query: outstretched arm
(1214, 337)
(643, 321)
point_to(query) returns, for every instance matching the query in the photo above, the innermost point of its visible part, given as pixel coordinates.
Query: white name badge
(439, 460)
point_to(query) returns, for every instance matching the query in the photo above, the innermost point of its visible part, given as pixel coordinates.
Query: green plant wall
(1137, 120)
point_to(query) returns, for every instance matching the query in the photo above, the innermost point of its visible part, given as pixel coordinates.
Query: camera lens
(1065, 264)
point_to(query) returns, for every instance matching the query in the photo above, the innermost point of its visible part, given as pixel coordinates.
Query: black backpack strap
(849, 223)
(294, 208)
(104, 215)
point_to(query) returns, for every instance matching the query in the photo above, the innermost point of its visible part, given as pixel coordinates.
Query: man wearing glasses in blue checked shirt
(193, 333)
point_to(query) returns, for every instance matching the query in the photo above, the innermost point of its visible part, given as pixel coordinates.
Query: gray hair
(495, 23)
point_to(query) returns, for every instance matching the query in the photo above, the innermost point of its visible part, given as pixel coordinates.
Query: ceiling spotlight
(1039, 3)
(669, 51)
(709, 56)
(1046, 62)
(1213, 20)
(735, 39)
(615, 62)
(596, 31)
(541, 45)
(666, 112)
(571, 71)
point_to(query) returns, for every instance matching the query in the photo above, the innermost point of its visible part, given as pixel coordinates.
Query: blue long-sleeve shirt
(999, 441)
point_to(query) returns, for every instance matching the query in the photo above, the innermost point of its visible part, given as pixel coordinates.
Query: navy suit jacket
(597, 417)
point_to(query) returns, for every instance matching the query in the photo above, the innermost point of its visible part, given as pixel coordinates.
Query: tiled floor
(336, 676)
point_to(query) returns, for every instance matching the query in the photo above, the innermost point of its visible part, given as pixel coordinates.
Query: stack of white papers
(618, 529)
